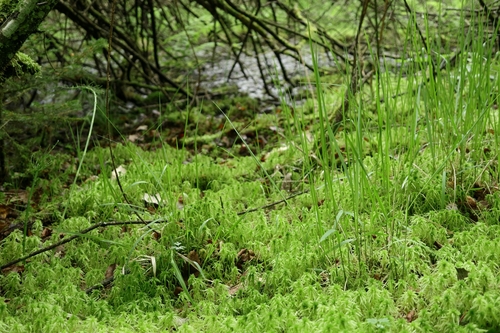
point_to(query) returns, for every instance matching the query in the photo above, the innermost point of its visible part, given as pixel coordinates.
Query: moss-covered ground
(233, 220)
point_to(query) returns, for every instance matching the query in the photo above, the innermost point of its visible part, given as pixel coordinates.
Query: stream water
(246, 77)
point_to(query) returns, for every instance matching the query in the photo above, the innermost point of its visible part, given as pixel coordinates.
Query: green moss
(394, 258)
(6, 8)
(23, 64)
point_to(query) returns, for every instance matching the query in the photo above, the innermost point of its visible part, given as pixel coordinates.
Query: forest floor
(228, 219)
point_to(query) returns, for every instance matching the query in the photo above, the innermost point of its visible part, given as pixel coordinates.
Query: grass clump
(392, 227)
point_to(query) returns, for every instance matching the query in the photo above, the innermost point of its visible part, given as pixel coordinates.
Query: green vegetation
(389, 223)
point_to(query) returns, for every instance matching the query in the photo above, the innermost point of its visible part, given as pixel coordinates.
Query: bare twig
(243, 43)
(353, 85)
(69, 239)
(422, 39)
(273, 203)
(103, 284)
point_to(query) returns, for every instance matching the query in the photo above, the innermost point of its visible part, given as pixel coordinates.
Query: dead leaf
(110, 271)
(411, 316)
(471, 202)
(234, 289)
(15, 202)
(135, 137)
(244, 256)
(69, 166)
(287, 183)
(60, 252)
(177, 291)
(193, 255)
(483, 204)
(180, 203)
(156, 235)
(17, 197)
(120, 171)
(92, 178)
(190, 262)
(152, 200)
(4, 211)
(13, 269)
(3, 227)
(46, 232)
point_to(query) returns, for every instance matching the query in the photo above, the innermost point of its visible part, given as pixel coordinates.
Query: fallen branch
(69, 239)
(272, 204)
(110, 280)
(103, 284)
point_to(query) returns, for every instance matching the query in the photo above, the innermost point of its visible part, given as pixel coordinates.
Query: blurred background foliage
(170, 55)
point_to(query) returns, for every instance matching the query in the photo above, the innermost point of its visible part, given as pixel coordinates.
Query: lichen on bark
(18, 20)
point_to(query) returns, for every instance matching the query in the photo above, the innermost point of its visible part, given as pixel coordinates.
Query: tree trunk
(22, 20)
(3, 171)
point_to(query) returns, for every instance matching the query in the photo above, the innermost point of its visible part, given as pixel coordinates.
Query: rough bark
(19, 19)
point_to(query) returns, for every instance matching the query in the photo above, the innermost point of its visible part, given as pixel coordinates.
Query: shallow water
(247, 78)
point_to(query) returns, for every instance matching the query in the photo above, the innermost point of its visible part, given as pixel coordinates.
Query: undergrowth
(390, 225)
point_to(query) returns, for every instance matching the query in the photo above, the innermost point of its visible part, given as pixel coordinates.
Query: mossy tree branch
(19, 19)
